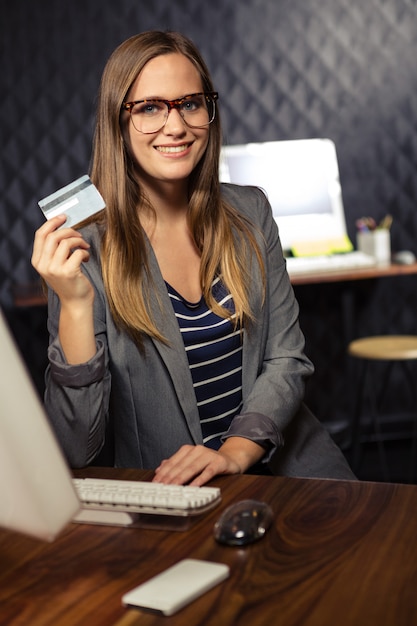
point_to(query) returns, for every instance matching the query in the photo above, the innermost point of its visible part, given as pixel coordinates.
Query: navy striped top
(214, 351)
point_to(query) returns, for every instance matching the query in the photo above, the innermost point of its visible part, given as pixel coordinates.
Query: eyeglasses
(150, 116)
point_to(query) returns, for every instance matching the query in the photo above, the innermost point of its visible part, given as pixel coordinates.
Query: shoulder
(252, 203)
(249, 200)
(240, 196)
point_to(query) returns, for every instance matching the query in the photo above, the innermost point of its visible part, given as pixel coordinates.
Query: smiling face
(168, 156)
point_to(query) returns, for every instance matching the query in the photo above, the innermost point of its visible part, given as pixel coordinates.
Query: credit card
(78, 200)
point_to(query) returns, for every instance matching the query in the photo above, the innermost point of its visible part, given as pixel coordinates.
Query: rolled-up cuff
(260, 429)
(81, 375)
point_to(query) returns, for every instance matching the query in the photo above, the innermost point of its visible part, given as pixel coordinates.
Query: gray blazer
(146, 400)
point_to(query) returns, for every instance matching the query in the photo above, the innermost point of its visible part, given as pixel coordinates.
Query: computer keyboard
(329, 263)
(125, 502)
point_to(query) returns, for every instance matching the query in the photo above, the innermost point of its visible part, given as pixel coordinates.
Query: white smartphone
(177, 586)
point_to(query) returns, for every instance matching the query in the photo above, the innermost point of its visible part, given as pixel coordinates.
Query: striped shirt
(214, 351)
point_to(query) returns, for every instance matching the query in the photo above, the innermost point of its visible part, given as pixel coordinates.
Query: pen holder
(377, 243)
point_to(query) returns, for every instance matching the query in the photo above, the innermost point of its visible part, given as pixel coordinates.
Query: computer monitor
(301, 180)
(37, 497)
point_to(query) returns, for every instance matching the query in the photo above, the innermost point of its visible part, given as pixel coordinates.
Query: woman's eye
(191, 105)
(148, 108)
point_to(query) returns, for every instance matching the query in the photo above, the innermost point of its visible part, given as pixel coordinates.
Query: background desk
(337, 307)
(347, 279)
(377, 271)
(32, 294)
(340, 553)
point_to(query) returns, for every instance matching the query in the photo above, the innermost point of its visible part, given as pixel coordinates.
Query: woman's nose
(175, 123)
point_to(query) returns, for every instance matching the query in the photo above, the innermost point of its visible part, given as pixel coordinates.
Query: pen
(386, 222)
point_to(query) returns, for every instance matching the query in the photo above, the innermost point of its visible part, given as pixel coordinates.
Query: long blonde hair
(224, 239)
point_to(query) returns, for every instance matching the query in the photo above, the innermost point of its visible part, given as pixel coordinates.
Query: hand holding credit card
(78, 200)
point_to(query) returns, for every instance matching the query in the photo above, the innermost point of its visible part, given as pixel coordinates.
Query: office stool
(392, 349)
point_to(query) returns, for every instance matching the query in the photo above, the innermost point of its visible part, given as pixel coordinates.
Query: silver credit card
(78, 200)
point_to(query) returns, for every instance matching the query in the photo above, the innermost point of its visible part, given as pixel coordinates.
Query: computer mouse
(243, 522)
(404, 257)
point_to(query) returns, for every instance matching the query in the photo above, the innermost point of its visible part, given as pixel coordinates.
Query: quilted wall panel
(285, 69)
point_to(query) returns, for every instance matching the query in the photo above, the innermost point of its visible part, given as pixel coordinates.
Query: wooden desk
(32, 294)
(29, 294)
(347, 278)
(335, 308)
(378, 271)
(338, 553)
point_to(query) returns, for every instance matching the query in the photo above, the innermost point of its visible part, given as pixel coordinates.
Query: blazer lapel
(173, 353)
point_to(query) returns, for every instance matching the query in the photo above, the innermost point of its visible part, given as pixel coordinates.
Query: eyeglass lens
(150, 116)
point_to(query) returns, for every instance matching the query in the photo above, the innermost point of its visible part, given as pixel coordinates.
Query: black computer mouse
(243, 522)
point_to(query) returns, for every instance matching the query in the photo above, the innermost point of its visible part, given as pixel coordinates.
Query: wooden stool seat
(386, 347)
(392, 349)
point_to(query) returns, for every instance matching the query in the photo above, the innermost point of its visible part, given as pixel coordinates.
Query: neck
(168, 197)
(170, 207)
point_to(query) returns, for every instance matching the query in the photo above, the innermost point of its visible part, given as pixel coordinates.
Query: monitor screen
(37, 497)
(300, 178)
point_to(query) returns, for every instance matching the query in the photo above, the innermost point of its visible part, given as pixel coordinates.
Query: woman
(173, 324)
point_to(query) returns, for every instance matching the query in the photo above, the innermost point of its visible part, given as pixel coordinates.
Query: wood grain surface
(338, 553)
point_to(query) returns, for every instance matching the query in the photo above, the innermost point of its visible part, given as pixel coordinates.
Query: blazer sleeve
(275, 366)
(77, 396)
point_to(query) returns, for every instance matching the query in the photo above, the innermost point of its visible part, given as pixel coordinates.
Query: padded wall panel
(285, 69)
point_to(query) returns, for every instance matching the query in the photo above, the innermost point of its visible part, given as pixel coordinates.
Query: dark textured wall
(285, 69)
